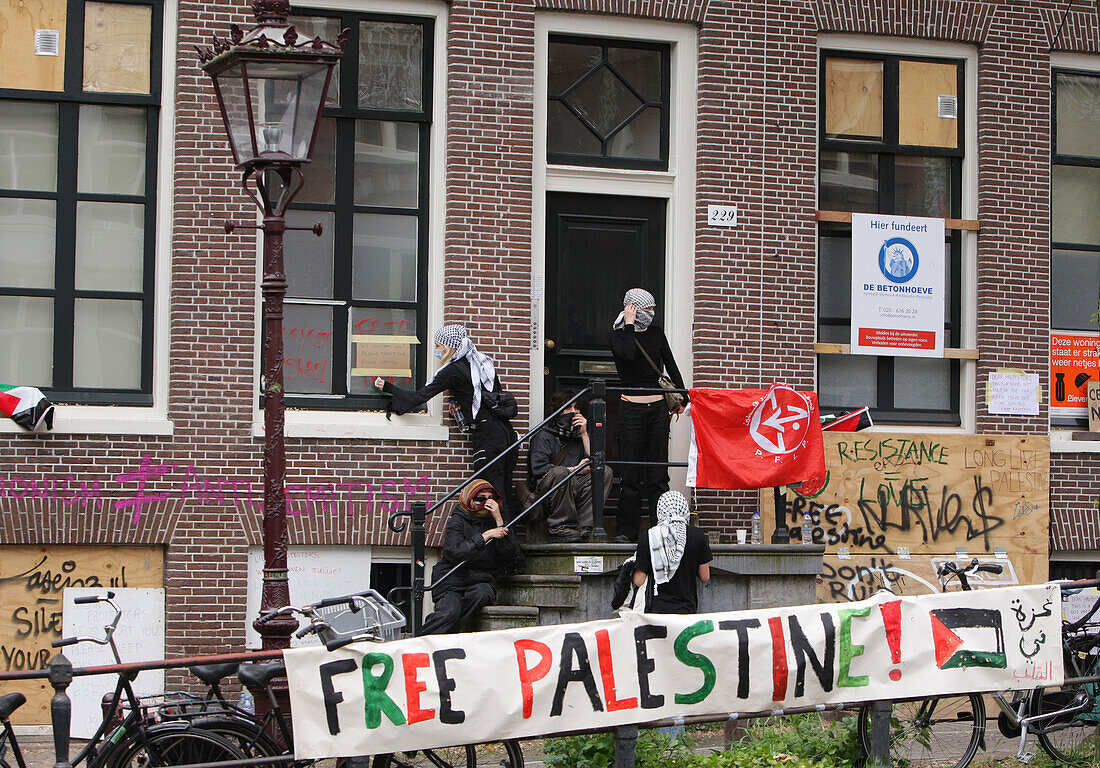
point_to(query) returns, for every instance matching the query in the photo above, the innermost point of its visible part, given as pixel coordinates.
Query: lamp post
(271, 86)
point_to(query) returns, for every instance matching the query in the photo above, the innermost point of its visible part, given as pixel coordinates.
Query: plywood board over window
(33, 580)
(853, 98)
(116, 47)
(920, 86)
(23, 68)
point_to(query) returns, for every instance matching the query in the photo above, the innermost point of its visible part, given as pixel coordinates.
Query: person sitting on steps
(556, 450)
(475, 534)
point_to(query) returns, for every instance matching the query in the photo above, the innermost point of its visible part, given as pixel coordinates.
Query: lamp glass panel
(107, 344)
(286, 101)
(231, 87)
(28, 146)
(328, 29)
(26, 340)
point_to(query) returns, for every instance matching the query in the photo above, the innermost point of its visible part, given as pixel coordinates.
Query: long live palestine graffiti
(446, 689)
(894, 507)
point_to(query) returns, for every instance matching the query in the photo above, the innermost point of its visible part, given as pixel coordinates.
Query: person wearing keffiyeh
(467, 374)
(674, 553)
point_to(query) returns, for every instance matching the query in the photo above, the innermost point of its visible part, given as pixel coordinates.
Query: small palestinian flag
(26, 406)
(849, 422)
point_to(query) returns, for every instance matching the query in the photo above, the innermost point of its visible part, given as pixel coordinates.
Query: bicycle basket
(376, 615)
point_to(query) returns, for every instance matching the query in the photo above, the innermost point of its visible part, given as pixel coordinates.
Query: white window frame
(153, 419)
(676, 185)
(968, 370)
(354, 424)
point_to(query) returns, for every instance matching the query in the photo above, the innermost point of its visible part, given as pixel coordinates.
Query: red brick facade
(753, 294)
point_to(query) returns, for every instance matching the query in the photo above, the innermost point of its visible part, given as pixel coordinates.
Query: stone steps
(539, 590)
(506, 617)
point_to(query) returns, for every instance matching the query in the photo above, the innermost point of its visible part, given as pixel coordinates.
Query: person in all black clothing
(643, 422)
(556, 450)
(468, 374)
(475, 534)
(675, 553)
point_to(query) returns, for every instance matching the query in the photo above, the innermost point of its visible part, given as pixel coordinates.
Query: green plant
(810, 738)
(653, 750)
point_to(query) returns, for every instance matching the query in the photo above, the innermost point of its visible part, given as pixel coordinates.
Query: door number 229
(722, 215)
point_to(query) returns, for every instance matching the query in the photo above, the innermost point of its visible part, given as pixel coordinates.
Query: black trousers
(643, 430)
(455, 606)
(490, 438)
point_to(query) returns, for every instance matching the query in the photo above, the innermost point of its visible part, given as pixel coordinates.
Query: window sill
(357, 425)
(1061, 441)
(99, 420)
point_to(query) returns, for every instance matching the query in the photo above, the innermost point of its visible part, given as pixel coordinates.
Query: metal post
(597, 439)
(880, 734)
(275, 634)
(626, 738)
(419, 515)
(61, 708)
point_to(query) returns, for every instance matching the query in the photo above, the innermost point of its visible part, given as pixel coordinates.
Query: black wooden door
(597, 248)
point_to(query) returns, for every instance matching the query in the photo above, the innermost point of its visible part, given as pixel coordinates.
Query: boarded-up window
(32, 43)
(116, 47)
(927, 92)
(853, 98)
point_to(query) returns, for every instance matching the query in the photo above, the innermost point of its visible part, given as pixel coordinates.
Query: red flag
(754, 438)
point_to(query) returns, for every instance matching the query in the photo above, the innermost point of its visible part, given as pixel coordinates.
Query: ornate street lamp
(271, 86)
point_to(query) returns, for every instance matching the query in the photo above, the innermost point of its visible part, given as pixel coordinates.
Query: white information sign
(315, 573)
(139, 637)
(722, 215)
(897, 285)
(1014, 393)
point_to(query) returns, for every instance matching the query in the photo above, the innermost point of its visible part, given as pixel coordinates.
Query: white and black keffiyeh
(640, 298)
(668, 538)
(482, 370)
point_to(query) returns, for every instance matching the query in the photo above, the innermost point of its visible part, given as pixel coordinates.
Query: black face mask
(563, 425)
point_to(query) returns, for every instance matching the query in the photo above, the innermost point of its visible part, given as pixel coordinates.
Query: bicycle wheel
(493, 754)
(1069, 732)
(243, 734)
(173, 746)
(941, 732)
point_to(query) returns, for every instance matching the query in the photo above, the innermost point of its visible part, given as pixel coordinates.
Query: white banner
(373, 698)
(897, 285)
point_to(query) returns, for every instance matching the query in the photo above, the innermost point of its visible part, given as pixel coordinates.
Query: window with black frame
(890, 142)
(608, 103)
(356, 305)
(79, 110)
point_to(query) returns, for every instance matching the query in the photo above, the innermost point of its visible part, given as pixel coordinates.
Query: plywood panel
(32, 582)
(860, 576)
(22, 67)
(930, 493)
(920, 83)
(116, 47)
(853, 97)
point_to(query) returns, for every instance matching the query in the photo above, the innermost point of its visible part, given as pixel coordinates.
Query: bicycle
(945, 731)
(135, 740)
(339, 621)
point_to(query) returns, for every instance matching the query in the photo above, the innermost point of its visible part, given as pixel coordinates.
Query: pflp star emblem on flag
(780, 423)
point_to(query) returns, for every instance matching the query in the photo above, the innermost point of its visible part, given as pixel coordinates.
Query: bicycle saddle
(9, 703)
(211, 674)
(256, 675)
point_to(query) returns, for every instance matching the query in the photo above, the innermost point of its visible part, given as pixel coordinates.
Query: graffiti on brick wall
(142, 487)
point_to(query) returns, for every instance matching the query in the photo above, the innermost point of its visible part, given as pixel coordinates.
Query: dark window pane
(1074, 286)
(391, 65)
(834, 299)
(307, 349)
(922, 186)
(567, 135)
(1078, 117)
(849, 182)
(1076, 205)
(320, 174)
(383, 343)
(568, 62)
(640, 138)
(922, 383)
(847, 381)
(384, 253)
(641, 68)
(604, 100)
(308, 258)
(386, 163)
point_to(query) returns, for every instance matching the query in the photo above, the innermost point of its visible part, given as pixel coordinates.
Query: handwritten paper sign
(1014, 394)
(445, 689)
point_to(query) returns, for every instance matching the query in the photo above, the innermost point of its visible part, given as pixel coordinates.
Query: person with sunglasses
(475, 535)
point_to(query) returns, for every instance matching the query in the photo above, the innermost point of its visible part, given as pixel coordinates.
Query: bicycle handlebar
(65, 641)
(93, 599)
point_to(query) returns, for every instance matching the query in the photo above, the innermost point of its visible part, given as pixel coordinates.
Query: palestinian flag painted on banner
(26, 406)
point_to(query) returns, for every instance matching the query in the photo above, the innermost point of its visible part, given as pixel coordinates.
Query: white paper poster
(897, 285)
(1014, 394)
